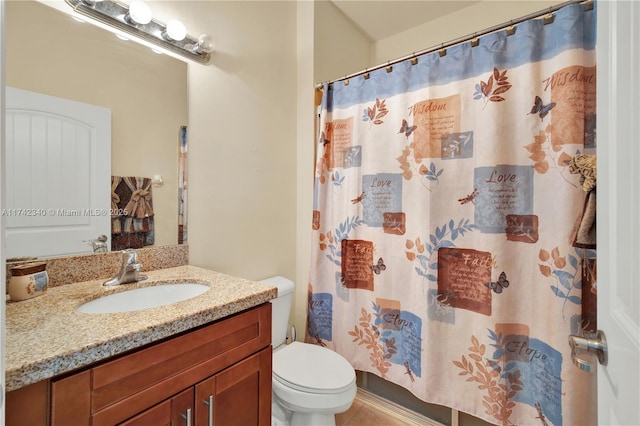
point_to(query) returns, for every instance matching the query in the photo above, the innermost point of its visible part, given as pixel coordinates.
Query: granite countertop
(46, 336)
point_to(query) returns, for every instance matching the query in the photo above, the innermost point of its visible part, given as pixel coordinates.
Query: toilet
(310, 383)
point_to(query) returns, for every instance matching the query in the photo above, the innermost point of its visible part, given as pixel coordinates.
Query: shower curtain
(444, 220)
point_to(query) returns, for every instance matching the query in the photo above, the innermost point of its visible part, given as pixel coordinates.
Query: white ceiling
(379, 19)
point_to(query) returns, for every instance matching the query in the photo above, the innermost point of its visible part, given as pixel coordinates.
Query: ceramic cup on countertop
(28, 281)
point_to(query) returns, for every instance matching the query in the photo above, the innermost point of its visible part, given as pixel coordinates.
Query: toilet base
(313, 419)
(282, 417)
(305, 409)
(279, 416)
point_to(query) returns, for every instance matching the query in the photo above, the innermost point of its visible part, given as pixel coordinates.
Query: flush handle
(581, 346)
(209, 403)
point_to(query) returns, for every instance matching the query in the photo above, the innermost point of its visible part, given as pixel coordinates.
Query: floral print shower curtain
(445, 208)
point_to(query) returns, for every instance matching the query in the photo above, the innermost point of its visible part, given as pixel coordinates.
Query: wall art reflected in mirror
(145, 96)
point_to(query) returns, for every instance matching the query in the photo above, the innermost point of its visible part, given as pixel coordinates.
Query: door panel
(619, 210)
(58, 177)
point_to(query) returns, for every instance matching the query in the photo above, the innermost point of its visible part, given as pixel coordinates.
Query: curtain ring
(475, 41)
(442, 51)
(389, 68)
(548, 18)
(511, 30)
(366, 74)
(414, 60)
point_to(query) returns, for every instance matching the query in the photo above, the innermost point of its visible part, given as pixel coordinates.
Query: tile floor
(365, 412)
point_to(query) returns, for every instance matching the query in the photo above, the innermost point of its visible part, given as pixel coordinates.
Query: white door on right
(619, 210)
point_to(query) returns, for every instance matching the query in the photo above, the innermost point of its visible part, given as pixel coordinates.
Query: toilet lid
(312, 368)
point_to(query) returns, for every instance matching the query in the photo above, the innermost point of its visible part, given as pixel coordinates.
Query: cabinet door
(182, 408)
(239, 395)
(176, 411)
(159, 415)
(28, 405)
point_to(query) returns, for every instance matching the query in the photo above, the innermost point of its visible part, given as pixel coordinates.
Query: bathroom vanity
(202, 361)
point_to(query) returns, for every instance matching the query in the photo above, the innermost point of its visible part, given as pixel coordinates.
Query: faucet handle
(129, 257)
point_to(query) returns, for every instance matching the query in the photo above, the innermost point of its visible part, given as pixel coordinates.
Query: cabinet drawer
(127, 385)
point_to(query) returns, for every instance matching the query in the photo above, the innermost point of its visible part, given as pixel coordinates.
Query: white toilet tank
(280, 309)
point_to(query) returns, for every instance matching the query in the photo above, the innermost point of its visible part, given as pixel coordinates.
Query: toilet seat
(313, 369)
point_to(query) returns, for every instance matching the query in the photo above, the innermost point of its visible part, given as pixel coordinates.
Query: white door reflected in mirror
(58, 160)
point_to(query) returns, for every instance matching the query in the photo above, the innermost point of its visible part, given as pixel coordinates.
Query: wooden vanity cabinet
(221, 371)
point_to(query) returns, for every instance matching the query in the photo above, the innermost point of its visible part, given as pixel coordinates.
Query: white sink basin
(143, 298)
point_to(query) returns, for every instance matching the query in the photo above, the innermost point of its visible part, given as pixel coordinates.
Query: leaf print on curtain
(488, 92)
(443, 214)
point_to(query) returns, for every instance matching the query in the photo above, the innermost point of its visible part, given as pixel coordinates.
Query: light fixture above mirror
(137, 21)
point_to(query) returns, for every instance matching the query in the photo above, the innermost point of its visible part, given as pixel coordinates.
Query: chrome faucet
(130, 271)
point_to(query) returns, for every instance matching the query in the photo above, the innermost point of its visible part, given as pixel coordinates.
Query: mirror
(49, 52)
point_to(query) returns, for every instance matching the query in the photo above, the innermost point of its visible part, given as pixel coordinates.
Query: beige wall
(339, 47)
(146, 92)
(305, 158)
(474, 18)
(242, 177)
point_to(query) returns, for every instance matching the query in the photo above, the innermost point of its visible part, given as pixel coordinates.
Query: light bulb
(206, 43)
(175, 30)
(139, 12)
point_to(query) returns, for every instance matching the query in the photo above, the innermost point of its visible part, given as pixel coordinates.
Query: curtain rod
(460, 40)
